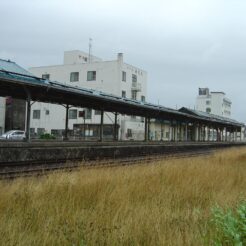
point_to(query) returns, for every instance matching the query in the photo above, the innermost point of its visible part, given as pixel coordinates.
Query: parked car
(13, 135)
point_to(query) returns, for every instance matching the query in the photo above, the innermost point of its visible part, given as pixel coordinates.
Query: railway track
(15, 170)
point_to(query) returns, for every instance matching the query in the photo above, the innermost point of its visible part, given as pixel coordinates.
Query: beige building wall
(213, 102)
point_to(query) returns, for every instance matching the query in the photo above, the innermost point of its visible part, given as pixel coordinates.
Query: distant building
(214, 102)
(79, 69)
(12, 111)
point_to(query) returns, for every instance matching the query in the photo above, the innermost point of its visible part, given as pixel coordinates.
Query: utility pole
(90, 49)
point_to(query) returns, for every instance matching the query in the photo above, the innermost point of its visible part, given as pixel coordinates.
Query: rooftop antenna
(90, 48)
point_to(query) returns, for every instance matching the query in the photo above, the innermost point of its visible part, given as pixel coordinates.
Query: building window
(123, 94)
(142, 98)
(88, 133)
(32, 131)
(134, 78)
(97, 112)
(91, 75)
(134, 95)
(36, 114)
(81, 114)
(124, 76)
(88, 113)
(57, 132)
(129, 133)
(203, 92)
(208, 102)
(47, 112)
(45, 76)
(208, 110)
(40, 131)
(74, 76)
(72, 114)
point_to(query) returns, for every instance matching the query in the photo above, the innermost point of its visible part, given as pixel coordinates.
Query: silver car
(13, 135)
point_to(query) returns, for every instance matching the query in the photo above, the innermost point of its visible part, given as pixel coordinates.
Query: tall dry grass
(163, 203)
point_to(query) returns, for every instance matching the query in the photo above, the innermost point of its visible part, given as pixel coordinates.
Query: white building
(2, 115)
(213, 102)
(114, 77)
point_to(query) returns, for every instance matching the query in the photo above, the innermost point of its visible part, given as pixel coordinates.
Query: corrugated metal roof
(35, 80)
(32, 80)
(209, 116)
(22, 77)
(10, 66)
(114, 97)
(112, 102)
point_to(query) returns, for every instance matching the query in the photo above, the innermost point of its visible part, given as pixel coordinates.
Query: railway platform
(54, 151)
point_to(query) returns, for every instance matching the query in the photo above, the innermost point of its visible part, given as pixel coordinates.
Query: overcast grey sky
(182, 44)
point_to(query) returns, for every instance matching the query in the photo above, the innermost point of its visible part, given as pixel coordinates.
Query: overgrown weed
(164, 203)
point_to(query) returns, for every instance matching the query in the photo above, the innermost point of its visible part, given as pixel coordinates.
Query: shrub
(47, 136)
(229, 226)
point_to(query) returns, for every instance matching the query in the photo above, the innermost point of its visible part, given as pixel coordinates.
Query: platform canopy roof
(19, 83)
(210, 117)
(9, 66)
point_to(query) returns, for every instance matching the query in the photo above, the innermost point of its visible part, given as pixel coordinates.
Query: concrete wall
(78, 56)
(217, 103)
(40, 153)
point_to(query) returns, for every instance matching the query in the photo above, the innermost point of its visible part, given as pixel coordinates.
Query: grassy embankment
(165, 203)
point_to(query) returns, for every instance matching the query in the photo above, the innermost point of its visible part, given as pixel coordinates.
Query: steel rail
(30, 170)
